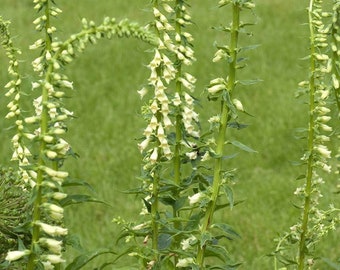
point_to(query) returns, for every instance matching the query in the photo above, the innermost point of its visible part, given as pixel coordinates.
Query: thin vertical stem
(311, 128)
(43, 129)
(156, 183)
(177, 152)
(154, 212)
(177, 161)
(222, 132)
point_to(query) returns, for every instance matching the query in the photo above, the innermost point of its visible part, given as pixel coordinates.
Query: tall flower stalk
(223, 89)
(167, 141)
(184, 114)
(314, 223)
(48, 108)
(229, 87)
(21, 153)
(43, 172)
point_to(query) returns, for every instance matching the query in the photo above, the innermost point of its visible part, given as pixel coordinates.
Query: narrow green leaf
(250, 47)
(205, 237)
(74, 241)
(286, 261)
(249, 82)
(230, 195)
(237, 125)
(242, 59)
(224, 3)
(305, 58)
(222, 28)
(147, 205)
(218, 252)
(226, 267)
(164, 241)
(229, 156)
(297, 163)
(166, 263)
(168, 200)
(76, 182)
(221, 206)
(180, 203)
(227, 230)
(246, 24)
(79, 198)
(243, 146)
(83, 259)
(194, 222)
(4, 265)
(302, 176)
(230, 104)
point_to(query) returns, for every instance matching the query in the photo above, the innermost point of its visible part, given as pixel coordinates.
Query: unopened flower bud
(216, 88)
(238, 105)
(16, 255)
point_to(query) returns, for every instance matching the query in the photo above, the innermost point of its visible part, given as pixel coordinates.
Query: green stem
(309, 175)
(207, 220)
(31, 265)
(278, 250)
(155, 212)
(177, 152)
(177, 161)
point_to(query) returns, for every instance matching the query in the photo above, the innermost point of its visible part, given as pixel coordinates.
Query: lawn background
(108, 121)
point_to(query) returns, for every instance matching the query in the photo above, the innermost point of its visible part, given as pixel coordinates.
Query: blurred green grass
(106, 79)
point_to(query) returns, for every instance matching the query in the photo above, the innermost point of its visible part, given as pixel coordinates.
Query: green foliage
(14, 211)
(82, 260)
(297, 246)
(186, 178)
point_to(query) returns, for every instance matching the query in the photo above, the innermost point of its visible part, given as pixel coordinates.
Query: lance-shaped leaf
(79, 198)
(243, 146)
(226, 231)
(80, 261)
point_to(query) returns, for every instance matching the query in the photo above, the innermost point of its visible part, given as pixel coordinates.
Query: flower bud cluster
(49, 124)
(334, 45)
(50, 114)
(182, 100)
(172, 42)
(20, 151)
(171, 119)
(49, 119)
(323, 67)
(315, 223)
(246, 4)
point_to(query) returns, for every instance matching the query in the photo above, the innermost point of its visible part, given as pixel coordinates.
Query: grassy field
(104, 134)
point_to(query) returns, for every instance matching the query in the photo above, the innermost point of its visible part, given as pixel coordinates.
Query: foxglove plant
(222, 90)
(49, 121)
(20, 151)
(169, 136)
(314, 222)
(11, 202)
